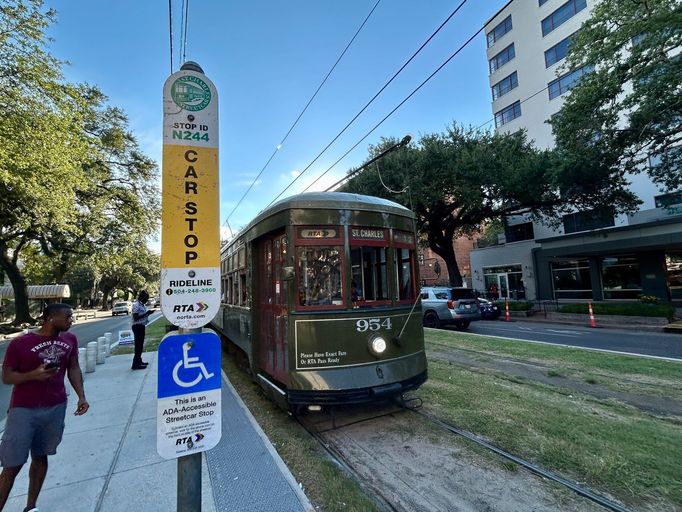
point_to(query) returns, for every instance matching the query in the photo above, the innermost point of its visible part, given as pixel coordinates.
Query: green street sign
(190, 93)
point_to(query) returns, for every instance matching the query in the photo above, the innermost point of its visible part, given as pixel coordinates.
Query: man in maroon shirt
(35, 364)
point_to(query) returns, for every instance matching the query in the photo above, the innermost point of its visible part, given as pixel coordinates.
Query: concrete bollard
(107, 335)
(90, 357)
(101, 349)
(81, 358)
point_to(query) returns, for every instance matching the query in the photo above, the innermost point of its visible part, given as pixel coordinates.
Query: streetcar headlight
(378, 345)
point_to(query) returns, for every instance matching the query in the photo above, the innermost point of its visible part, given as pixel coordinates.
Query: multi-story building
(593, 255)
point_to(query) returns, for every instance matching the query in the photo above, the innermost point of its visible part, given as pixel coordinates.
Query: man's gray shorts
(37, 430)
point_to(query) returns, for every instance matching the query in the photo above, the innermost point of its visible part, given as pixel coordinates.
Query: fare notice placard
(188, 414)
(190, 234)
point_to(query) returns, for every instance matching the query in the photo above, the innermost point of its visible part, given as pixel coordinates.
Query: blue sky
(266, 59)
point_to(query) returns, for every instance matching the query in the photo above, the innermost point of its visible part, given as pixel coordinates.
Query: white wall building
(592, 256)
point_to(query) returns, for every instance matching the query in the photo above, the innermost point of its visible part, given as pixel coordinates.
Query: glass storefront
(673, 261)
(504, 282)
(621, 277)
(571, 279)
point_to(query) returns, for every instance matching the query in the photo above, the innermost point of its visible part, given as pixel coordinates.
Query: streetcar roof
(329, 200)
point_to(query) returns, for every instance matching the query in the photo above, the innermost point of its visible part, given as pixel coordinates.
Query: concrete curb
(291, 480)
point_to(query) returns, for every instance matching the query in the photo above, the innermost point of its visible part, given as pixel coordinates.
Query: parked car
(121, 308)
(449, 306)
(157, 303)
(489, 310)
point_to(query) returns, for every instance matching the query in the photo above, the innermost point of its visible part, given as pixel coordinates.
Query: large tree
(629, 108)
(72, 177)
(457, 181)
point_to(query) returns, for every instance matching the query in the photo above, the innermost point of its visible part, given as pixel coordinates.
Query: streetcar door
(272, 308)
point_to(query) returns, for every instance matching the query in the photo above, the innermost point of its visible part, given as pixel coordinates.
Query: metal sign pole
(189, 472)
(189, 401)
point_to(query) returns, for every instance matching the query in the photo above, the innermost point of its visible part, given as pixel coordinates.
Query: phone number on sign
(180, 291)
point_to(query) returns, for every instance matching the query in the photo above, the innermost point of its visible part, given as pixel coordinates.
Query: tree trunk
(22, 313)
(441, 244)
(105, 297)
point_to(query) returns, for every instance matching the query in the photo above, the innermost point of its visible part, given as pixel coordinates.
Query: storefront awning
(43, 291)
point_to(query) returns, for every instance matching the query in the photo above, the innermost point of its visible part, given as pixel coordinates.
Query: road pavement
(650, 343)
(86, 331)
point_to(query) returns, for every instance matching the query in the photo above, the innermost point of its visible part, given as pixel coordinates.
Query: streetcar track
(384, 502)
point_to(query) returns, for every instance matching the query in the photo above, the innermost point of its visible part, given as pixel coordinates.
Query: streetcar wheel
(431, 320)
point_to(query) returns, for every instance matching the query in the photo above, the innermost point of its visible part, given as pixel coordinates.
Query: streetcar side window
(369, 274)
(404, 264)
(319, 268)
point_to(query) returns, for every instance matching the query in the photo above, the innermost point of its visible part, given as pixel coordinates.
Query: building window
(502, 58)
(558, 51)
(519, 232)
(562, 15)
(501, 29)
(508, 114)
(565, 83)
(505, 85)
(504, 282)
(668, 200)
(673, 262)
(587, 220)
(571, 279)
(621, 278)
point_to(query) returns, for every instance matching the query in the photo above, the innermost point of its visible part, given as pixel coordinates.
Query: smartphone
(51, 365)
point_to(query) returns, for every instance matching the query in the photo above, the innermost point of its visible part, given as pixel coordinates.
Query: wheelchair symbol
(188, 363)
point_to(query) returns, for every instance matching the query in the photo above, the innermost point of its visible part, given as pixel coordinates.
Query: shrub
(634, 309)
(649, 299)
(518, 306)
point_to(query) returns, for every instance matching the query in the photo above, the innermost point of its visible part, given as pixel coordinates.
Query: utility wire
(170, 26)
(373, 98)
(291, 128)
(184, 44)
(182, 31)
(396, 108)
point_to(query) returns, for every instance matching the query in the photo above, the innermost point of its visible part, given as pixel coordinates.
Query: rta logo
(186, 308)
(189, 441)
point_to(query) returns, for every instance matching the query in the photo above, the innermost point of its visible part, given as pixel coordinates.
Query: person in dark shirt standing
(140, 321)
(35, 364)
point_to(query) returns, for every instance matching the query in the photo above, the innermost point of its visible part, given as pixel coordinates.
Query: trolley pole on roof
(189, 371)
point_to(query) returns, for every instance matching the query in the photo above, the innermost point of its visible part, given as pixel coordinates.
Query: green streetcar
(320, 298)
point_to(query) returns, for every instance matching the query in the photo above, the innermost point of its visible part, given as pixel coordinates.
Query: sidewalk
(107, 460)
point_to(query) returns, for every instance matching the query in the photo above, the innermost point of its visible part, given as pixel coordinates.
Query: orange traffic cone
(506, 308)
(593, 322)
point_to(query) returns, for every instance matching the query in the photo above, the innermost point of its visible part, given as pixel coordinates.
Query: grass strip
(324, 482)
(610, 447)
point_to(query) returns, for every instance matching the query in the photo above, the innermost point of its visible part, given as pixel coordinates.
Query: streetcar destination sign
(190, 234)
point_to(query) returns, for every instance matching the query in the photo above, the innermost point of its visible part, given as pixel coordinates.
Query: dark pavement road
(648, 343)
(86, 331)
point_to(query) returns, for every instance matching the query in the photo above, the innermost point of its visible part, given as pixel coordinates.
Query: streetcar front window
(319, 268)
(369, 274)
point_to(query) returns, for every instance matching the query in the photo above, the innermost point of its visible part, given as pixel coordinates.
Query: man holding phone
(140, 321)
(35, 364)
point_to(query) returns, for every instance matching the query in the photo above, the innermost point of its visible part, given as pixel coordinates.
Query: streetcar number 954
(372, 324)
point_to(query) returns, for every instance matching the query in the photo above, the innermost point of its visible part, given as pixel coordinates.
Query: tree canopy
(629, 108)
(457, 181)
(72, 178)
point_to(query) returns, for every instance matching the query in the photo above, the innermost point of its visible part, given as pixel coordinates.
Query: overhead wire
(291, 128)
(380, 122)
(466, 43)
(170, 27)
(374, 98)
(184, 43)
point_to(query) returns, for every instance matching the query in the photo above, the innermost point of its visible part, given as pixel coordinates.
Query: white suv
(121, 308)
(444, 306)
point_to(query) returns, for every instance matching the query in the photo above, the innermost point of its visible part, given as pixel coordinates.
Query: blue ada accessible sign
(188, 397)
